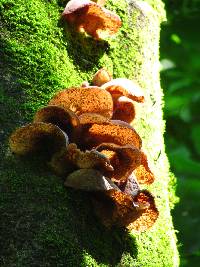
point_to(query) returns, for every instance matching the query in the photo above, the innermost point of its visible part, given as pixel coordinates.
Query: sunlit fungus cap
(124, 109)
(81, 100)
(89, 180)
(117, 132)
(143, 173)
(65, 119)
(90, 118)
(124, 160)
(101, 77)
(92, 18)
(149, 214)
(37, 137)
(124, 87)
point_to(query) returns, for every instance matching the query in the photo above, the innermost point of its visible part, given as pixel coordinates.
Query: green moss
(43, 223)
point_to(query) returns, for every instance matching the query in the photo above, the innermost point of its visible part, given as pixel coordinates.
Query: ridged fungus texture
(90, 17)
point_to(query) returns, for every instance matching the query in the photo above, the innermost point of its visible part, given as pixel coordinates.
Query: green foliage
(180, 64)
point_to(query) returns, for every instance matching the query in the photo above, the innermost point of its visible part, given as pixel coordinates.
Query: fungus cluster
(91, 17)
(85, 135)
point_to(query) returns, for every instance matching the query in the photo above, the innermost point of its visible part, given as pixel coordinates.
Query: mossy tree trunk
(43, 223)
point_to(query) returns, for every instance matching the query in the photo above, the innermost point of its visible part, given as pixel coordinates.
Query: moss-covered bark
(42, 223)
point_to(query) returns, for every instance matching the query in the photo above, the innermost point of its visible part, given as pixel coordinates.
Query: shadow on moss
(83, 50)
(44, 222)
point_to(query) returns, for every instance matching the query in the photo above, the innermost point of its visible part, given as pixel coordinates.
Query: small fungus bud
(101, 77)
(124, 87)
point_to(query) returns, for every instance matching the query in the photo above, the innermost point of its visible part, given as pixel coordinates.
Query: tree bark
(43, 223)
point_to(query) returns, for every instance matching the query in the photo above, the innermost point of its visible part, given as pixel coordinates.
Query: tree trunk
(43, 223)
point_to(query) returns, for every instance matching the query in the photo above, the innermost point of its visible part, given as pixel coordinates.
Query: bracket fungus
(123, 109)
(86, 134)
(117, 208)
(117, 132)
(65, 119)
(90, 99)
(124, 160)
(90, 17)
(37, 137)
(143, 173)
(124, 87)
(72, 158)
(89, 180)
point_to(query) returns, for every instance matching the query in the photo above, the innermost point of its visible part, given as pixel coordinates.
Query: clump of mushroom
(91, 17)
(93, 150)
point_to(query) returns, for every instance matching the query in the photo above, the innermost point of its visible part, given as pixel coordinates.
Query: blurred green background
(180, 78)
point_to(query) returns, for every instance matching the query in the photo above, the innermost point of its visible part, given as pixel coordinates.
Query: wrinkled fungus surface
(102, 156)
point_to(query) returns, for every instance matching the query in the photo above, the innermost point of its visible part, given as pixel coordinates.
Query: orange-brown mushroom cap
(89, 180)
(149, 215)
(124, 109)
(100, 77)
(65, 119)
(117, 208)
(90, 17)
(124, 160)
(115, 131)
(85, 99)
(37, 137)
(143, 173)
(124, 87)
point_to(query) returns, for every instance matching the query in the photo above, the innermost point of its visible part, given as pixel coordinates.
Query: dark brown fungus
(124, 87)
(37, 137)
(117, 208)
(117, 132)
(89, 180)
(143, 173)
(101, 76)
(90, 17)
(124, 109)
(81, 100)
(124, 160)
(65, 119)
